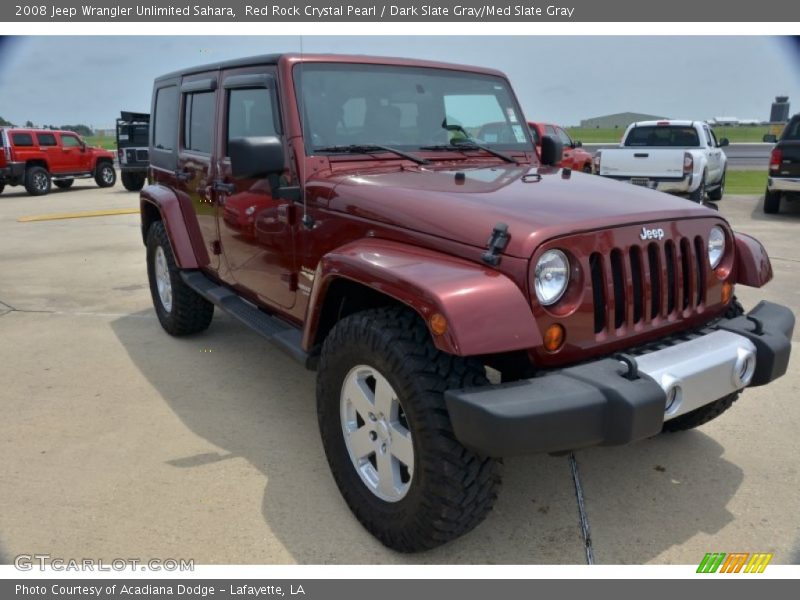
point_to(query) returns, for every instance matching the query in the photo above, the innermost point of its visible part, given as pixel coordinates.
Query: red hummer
(36, 157)
(575, 157)
(461, 299)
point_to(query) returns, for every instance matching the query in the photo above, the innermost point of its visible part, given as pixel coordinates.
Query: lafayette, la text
(395, 10)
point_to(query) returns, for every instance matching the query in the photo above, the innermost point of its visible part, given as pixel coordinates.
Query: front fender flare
(188, 255)
(486, 311)
(753, 267)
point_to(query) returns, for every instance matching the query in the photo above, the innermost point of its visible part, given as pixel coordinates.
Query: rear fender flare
(169, 207)
(485, 310)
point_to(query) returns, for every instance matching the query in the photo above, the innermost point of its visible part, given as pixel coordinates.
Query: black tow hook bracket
(630, 362)
(759, 330)
(496, 244)
(534, 177)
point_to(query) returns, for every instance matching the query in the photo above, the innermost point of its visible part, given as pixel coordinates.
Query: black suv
(784, 168)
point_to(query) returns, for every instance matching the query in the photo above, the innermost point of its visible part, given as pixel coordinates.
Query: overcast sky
(83, 79)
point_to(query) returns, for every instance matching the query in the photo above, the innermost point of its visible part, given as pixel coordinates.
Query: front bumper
(605, 402)
(783, 184)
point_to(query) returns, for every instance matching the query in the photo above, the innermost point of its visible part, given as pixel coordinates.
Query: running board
(280, 333)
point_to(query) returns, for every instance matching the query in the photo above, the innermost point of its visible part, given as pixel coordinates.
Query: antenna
(307, 220)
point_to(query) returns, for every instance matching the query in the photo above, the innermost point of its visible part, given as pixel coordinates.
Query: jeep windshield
(355, 106)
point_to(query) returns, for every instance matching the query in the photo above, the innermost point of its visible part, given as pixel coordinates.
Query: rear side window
(250, 113)
(165, 131)
(663, 136)
(22, 139)
(198, 113)
(562, 135)
(46, 139)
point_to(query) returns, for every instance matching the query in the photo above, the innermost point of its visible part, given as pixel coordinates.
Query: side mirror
(578, 144)
(552, 151)
(770, 138)
(723, 142)
(253, 157)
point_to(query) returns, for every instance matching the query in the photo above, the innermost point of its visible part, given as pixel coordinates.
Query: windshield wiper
(370, 149)
(469, 144)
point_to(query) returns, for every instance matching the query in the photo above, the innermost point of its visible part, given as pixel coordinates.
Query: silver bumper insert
(700, 371)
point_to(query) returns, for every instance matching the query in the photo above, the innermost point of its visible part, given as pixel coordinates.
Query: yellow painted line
(80, 215)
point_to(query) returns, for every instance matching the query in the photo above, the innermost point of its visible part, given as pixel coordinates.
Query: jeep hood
(536, 204)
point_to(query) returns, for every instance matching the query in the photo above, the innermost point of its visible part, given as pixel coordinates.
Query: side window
(550, 130)
(198, 121)
(708, 136)
(46, 139)
(22, 139)
(714, 138)
(165, 126)
(562, 135)
(535, 135)
(70, 141)
(249, 113)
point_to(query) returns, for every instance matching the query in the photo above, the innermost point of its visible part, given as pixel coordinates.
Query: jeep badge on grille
(652, 234)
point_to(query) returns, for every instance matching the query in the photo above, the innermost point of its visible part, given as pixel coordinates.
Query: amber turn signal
(438, 324)
(554, 337)
(727, 292)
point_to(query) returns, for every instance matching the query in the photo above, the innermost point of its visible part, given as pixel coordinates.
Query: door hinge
(216, 247)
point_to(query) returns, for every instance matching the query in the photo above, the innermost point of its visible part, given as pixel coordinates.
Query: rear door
(257, 230)
(48, 145)
(195, 169)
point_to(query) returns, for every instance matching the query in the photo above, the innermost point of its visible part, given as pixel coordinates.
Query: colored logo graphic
(736, 562)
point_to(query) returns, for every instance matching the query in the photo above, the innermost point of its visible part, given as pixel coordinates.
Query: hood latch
(496, 244)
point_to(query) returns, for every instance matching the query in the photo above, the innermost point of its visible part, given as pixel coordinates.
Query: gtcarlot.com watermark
(42, 562)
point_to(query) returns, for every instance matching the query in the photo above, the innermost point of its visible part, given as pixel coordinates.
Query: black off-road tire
(133, 182)
(587, 168)
(772, 202)
(37, 181)
(190, 312)
(452, 489)
(105, 175)
(716, 194)
(63, 184)
(706, 413)
(699, 195)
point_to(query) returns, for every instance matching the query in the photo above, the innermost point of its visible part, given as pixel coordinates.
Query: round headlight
(716, 246)
(551, 276)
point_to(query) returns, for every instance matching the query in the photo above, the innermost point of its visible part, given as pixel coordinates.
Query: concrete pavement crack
(583, 517)
(795, 260)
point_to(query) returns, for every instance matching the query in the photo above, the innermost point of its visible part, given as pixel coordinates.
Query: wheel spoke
(388, 475)
(402, 446)
(360, 442)
(385, 399)
(357, 392)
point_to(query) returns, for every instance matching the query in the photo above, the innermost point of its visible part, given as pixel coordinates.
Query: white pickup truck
(679, 157)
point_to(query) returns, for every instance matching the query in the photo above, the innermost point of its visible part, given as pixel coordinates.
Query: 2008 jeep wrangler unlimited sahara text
(347, 209)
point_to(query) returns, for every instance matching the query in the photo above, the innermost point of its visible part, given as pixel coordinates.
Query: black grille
(142, 155)
(641, 283)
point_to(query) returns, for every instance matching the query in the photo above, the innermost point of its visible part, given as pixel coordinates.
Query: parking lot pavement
(120, 441)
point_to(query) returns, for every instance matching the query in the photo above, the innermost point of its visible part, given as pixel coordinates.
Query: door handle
(223, 187)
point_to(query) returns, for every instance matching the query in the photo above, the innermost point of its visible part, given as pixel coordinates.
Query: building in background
(618, 120)
(780, 110)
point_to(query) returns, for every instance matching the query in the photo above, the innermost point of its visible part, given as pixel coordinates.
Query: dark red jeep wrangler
(36, 157)
(460, 300)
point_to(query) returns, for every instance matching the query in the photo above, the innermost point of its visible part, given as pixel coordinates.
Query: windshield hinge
(496, 244)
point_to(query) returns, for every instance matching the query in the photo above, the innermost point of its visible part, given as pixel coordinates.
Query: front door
(257, 230)
(75, 158)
